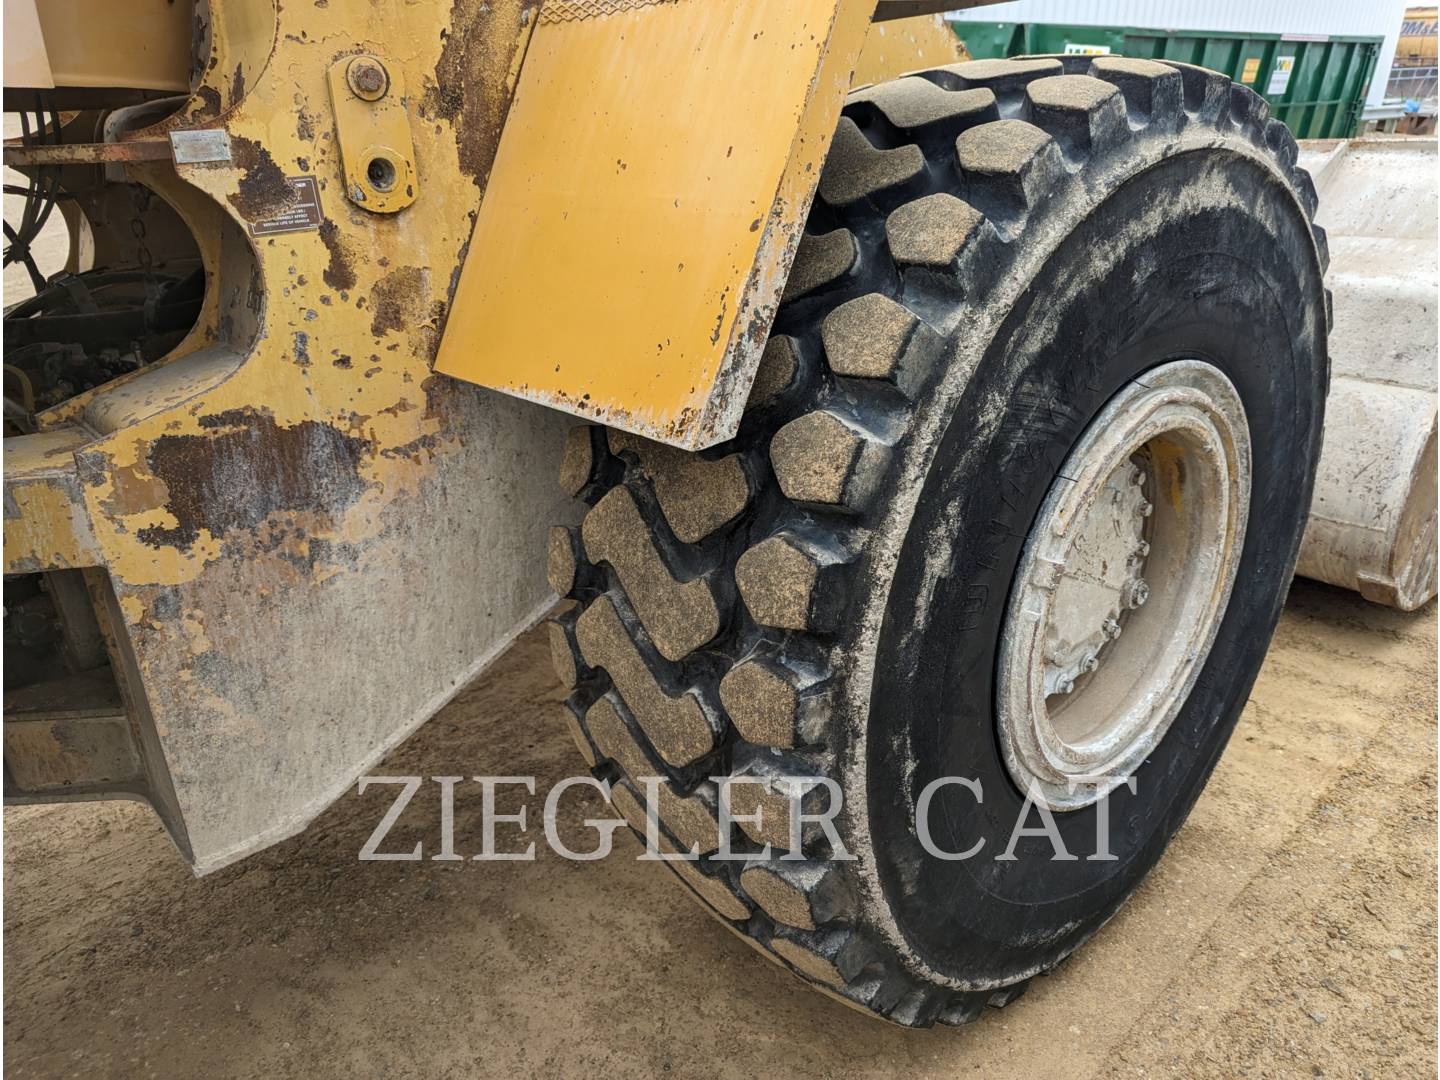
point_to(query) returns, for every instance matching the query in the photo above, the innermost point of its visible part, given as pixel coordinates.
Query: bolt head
(367, 78)
(1136, 593)
(1089, 665)
(1111, 629)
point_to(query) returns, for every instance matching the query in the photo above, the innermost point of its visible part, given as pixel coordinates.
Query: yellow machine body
(298, 536)
(646, 201)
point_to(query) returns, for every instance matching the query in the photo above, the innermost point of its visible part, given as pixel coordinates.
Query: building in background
(1339, 18)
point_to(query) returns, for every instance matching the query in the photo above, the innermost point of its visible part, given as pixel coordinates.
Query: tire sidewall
(1209, 282)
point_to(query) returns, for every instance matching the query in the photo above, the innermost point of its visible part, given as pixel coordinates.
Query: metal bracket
(372, 127)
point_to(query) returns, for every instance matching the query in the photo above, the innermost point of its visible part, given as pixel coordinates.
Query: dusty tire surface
(995, 248)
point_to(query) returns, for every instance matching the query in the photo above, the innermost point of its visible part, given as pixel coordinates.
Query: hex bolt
(368, 78)
(1065, 687)
(1111, 629)
(1136, 593)
(1089, 664)
(1146, 509)
(1143, 549)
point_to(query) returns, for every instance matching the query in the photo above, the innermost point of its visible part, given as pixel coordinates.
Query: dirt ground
(1290, 931)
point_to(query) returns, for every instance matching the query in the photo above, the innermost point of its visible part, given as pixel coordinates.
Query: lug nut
(1143, 549)
(1146, 509)
(1111, 629)
(1136, 593)
(1089, 665)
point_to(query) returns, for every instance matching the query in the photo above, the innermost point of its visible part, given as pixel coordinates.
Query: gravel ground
(1289, 931)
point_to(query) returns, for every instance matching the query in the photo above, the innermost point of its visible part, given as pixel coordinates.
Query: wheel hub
(1100, 580)
(1122, 584)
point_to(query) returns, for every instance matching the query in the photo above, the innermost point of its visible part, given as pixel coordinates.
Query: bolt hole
(381, 173)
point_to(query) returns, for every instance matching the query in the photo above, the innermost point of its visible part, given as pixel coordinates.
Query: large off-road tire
(997, 250)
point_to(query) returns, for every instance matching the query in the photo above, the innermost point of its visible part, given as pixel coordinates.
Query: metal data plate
(205, 146)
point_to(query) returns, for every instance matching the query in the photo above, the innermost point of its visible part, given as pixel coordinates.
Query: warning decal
(301, 215)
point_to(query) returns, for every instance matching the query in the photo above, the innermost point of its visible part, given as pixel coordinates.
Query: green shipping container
(1316, 84)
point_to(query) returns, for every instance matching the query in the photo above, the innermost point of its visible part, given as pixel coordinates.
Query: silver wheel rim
(1122, 584)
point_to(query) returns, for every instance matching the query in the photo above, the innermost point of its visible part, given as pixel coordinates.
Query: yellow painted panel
(650, 185)
(900, 46)
(26, 63)
(141, 45)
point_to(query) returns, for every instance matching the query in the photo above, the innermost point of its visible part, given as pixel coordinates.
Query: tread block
(563, 650)
(614, 741)
(1206, 92)
(677, 727)
(749, 799)
(1305, 191)
(1014, 158)
(697, 495)
(692, 823)
(921, 107)
(998, 76)
(1248, 108)
(820, 260)
(1282, 144)
(779, 367)
(712, 890)
(800, 894)
(760, 790)
(962, 1009)
(1070, 64)
(779, 580)
(562, 559)
(1006, 994)
(572, 724)
(822, 458)
(688, 818)
(578, 460)
(866, 338)
(809, 961)
(678, 616)
(772, 704)
(1152, 89)
(916, 1008)
(1322, 245)
(931, 231)
(1087, 113)
(855, 170)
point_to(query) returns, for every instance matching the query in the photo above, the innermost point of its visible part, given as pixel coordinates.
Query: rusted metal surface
(18, 156)
(312, 540)
(1372, 525)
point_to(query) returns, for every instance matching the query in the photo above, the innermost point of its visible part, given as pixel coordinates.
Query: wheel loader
(935, 439)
